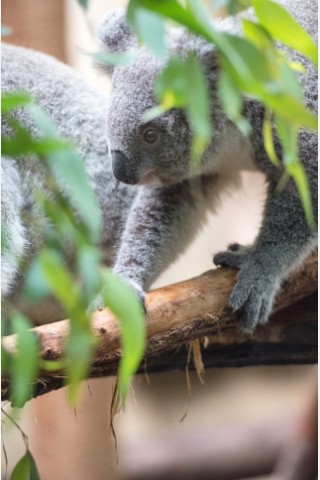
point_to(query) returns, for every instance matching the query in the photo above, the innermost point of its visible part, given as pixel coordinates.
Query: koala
(152, 204)
(172, 200)
(78, 111)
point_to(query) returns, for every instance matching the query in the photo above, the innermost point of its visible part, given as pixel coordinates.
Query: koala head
(154, 152)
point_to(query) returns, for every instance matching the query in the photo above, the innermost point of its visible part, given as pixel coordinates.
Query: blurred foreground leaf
(26, 468)
(283, 27)
(128, 309)
(24, 363)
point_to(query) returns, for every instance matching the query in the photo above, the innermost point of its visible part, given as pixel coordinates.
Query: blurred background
(236, 410)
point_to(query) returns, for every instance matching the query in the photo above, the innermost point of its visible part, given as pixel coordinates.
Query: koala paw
(233, 257)
(252, 297)
(139, 293)
(98, 303)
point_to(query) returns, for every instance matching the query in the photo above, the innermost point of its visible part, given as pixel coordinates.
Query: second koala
(171, 204)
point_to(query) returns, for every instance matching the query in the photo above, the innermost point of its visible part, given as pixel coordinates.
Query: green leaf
(26, 468)
(233, 6)
(88, 263)
(170, 9)
(84, 4)
(292, 110)
(59, 279)
(197, 105)
(288, 135)
(248, 67)
(268, 139)
(24, 361)
(52, 365)
(232, 103)
(170, 86)
(283, 27)
(128, 309)
(149, 28)
(21, 142)
(18, 145)
(68, 169)
(123, 58)
(22, 470)
(11, 100)
(34, 474)
(6, 360)
(299, 175)
(256, 34)
(183, 84)
(80, 348)
(5, 30)
(290, 82)
(36, 286)
(155, 112)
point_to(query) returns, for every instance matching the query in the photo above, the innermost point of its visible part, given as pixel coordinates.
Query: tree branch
(194, 309)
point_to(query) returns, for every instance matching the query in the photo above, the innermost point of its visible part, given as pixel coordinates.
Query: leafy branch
(73, 229)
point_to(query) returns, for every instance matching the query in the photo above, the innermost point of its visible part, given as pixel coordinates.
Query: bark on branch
(197, 309)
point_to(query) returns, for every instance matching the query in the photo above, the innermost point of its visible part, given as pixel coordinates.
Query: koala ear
(114, 32)
(184, 42)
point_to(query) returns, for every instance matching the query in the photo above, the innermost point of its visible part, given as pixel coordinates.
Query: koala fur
(156, 205)
(172, 200)
(78, 110)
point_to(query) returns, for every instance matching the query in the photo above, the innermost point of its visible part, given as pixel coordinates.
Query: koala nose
(122, 168)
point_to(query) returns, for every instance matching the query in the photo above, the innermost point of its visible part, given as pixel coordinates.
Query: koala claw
(99, 304)
(252, 300)
(138, 292)
(233, 257)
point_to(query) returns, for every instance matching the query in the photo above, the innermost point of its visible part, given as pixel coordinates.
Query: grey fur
(175, 200)
(78, 110)
(156, 221)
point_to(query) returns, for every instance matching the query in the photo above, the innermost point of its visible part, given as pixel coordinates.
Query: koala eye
(150, 135)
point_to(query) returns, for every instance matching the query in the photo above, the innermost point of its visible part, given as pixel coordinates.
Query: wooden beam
(197, 309)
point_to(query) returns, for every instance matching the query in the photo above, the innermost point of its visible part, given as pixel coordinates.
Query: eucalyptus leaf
(268, 138)
(232, 103)
(150, 29)
(80, 348)
(259, 36)
(36, 286)
(283, 27)
(84, 4)
(128, 309)
(24, 361)
(34, 474)
(12, 100)
(22, 469)
(197, 105)
(68, 169)
(123, 58)
(170, 86)
(289, 138)
(59, 279)
(88, 262)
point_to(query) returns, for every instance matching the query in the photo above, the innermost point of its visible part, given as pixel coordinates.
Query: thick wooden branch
(197, 309)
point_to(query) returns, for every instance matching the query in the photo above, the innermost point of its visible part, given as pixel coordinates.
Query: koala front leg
(284, 241)
(161, 224)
